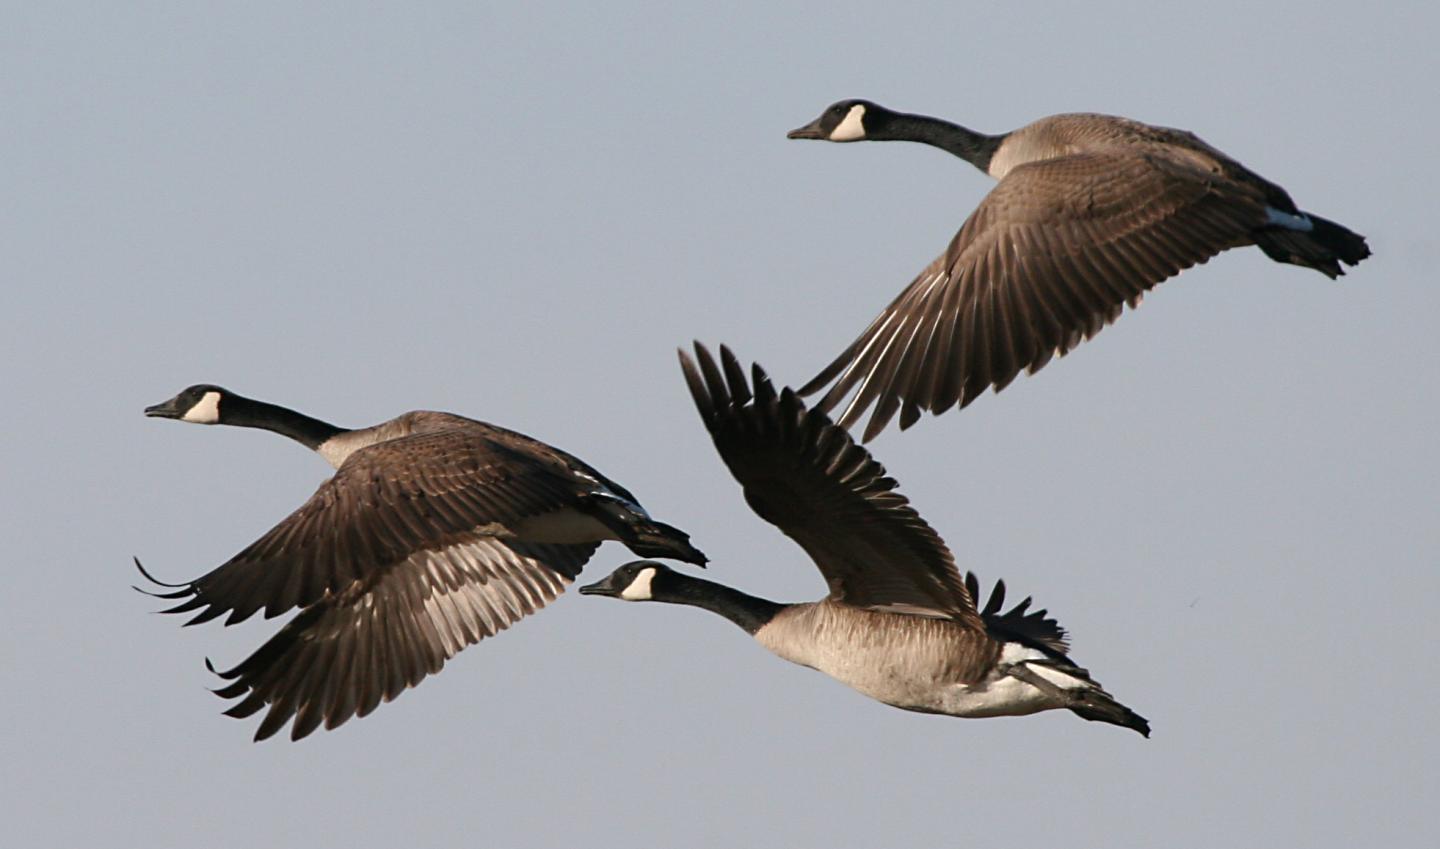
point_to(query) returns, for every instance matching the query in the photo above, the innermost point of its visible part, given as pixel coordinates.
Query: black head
(845, 121)
(199, 404)
(638, 580)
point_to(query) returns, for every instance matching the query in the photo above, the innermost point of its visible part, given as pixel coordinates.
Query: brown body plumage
(899, 623)
(435, 532)
(1091, 211)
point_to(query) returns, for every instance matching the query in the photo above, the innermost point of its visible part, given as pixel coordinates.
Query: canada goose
(435, 532)
(899, 624)
(1090, 212)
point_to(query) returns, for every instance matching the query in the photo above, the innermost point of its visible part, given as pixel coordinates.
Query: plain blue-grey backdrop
(517, 213)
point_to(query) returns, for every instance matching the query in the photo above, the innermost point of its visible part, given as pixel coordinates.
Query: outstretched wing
(344, 655)
(807, 477)
(428, 492)
(1049, 258)
(404, 557)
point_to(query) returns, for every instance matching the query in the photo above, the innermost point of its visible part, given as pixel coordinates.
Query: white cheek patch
(205, 411)
(639, 589)
(1288, 221)
(852, 128)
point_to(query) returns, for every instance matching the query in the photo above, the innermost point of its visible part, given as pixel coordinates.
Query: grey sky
(517, 214)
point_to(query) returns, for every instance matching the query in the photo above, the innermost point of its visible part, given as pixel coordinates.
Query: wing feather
(1049, 258)
(344, 655)
(810, 479)
(420, 492)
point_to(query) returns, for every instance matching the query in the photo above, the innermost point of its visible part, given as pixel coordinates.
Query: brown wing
(1050, 257)
(424, 492)
(343, 656)
(808, 478)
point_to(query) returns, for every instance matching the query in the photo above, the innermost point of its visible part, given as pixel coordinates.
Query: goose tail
(1313, 242)
(1097, 705)
(657, 539)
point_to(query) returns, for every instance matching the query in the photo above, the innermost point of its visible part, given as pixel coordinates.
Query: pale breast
(906, 661)
(338, 448)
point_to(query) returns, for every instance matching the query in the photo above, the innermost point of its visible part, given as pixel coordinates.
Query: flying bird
(899, 623)
(435, 532)
(1090, 212)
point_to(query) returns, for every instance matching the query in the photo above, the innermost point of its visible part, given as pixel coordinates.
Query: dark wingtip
(169, 596)
(152, 579)
(695, 557)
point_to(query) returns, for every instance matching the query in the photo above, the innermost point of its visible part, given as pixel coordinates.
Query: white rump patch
(1058, 678)
(1002, 694)
(1012, 653)
(1288, 221)
(1016, 653)
(205, 411)
(852, 128)
(639, 589)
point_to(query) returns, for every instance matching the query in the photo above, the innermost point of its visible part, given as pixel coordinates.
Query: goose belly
(898, 681)
(1005, 695)
(911, 662)
(1001, 693)
(926, 666)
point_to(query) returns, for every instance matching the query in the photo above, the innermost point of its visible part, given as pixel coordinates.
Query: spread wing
(422, 493)
(1050, 257)
(400, 560)
(344, 655)
(807, 477)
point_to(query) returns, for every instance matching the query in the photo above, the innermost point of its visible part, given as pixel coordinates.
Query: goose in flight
(435, 532)
(1090, 212)
(899, 624)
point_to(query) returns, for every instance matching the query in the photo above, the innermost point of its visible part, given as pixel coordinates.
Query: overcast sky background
(517, 214)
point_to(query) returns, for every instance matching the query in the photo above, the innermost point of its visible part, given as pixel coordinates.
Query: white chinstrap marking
(205, 411)
(639, 589)
(852, 128)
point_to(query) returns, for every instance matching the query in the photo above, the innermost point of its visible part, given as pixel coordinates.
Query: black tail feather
(657, 539)
(1033, 628)
(1099, 706)
(1324, 247)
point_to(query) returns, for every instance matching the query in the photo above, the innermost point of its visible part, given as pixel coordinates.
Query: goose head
(846, 121)
(199, 404)
(638, 580)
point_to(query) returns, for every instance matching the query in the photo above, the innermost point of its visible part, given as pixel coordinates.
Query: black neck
(244, 412)
(747, 611)
(975, 148)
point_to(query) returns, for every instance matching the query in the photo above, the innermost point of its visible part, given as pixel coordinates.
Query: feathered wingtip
(254, 682)
(187, 591)
(723, 386)
(1018, 623)
(183, 591)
